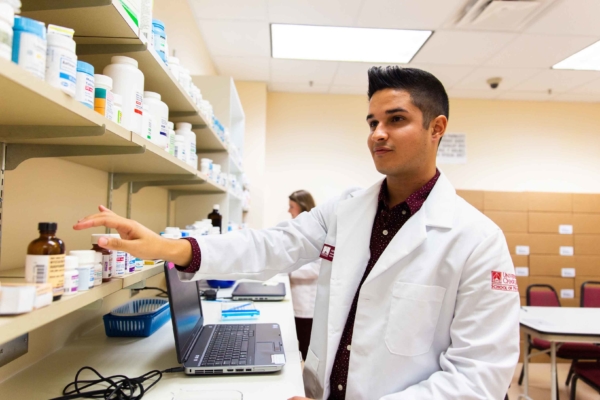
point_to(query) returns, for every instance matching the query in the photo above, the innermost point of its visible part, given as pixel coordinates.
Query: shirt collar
(414, 201)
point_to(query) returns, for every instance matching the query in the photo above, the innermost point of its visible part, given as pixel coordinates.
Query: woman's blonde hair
(304, 199)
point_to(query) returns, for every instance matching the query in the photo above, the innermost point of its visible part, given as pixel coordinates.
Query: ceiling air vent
(500, 15)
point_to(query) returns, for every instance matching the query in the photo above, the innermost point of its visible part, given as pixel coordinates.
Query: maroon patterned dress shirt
(387, 223)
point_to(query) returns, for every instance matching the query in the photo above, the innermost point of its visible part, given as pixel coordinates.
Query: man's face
(397, 140)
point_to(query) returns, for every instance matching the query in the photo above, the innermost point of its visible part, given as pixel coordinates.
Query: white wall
(318, 143)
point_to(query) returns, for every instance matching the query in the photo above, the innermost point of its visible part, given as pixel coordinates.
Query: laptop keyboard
(228, 346)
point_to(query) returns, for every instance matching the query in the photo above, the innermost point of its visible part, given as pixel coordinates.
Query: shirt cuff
(196, 258)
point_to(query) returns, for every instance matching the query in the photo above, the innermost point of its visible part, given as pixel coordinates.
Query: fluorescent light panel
(587, 59)
(330, 43)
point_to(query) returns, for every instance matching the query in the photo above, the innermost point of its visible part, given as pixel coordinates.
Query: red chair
(546, 296)
(590, 294)
(589, 372)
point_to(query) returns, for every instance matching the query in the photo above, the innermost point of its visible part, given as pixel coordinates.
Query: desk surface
(135, 356)
(562, 320)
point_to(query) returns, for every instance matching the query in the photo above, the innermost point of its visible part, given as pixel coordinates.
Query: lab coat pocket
(311, 375)
(413, 316)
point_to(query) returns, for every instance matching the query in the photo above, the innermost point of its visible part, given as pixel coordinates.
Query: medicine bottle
(185, 129)
(160, 39)
(29, 46)
(45, 261)
(71, 275)
(174, 67)
(117, 108)
(85, 84)
(7, 19)
(216, 217)
(103, 96)
(139, 264)
(97, 268)
(160, 111)
(130, 263)
(107, 267)
(85, 266)
(61, 63)
(171, 143)
(121, 257)
(147, 123)
(180, 148)
(128, 81)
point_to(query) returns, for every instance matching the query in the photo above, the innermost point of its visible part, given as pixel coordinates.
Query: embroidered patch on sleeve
(328, 252)
(504, 281)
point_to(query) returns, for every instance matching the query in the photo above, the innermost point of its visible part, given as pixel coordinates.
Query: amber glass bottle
(216, 217)
(45, 260)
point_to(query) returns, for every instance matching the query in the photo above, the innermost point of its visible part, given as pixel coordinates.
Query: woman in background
(303, 281)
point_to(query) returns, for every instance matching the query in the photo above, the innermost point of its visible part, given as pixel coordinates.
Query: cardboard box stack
(553, 238)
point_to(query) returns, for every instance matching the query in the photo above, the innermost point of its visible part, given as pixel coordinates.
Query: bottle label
(46, 269)
(98, 274)
(139, 103)
(106, 266)
(121, 263)
(32, 54)
(164, 127)
(131, 264)
(92, 276)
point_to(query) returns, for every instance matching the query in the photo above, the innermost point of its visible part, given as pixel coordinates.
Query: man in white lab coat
(417, 297)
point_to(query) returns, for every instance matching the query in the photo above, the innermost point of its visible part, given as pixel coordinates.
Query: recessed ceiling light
(330, 43)
(587, 59)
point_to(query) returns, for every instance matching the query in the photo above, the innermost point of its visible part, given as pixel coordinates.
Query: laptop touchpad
(265, 348)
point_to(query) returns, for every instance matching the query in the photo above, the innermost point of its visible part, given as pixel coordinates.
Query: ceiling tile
(244, 68)
(297, 88)
(407, 14)
(314, 12)
(510, 78)
(542, 51)
(592, 87)
(569, 17)
(303, 71)
(358, 90)
(449, 75)
(462, 48)
(231, 9)
(237, 38)
(471, 94)
(557, 80)
(527, 96)
(353, 73)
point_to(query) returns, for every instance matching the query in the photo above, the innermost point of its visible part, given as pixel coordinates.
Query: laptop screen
(186, 310)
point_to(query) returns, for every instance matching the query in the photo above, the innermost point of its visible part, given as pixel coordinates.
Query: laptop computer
(213, 349)
(258, 291)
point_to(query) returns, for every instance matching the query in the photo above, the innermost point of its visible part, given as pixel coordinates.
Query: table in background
(557, 325)
(136, 356)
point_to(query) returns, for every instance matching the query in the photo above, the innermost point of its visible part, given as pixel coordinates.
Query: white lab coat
(428, 324)
(303, 283)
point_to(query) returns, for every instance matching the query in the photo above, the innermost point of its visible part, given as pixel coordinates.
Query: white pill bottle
(128, 82)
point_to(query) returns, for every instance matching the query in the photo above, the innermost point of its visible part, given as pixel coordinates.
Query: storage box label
(567, 293)
(522, 250)
(566, 250)
(565, 229)
(567, 272)
(522, 271)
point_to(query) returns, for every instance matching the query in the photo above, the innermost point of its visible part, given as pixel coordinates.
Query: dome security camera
(494, 82)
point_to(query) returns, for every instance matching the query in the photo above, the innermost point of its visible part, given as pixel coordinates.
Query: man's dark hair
(426, 91)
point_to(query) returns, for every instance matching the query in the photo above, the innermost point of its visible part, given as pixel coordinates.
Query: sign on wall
(453, 149)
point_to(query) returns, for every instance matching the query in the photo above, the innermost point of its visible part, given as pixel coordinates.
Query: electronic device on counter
(217, 349)
(259, 291)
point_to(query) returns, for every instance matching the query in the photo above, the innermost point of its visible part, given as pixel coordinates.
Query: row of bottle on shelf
(118, 93)
(212, 225)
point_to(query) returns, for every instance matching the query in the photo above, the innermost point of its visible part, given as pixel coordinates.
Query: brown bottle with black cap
(45, 262)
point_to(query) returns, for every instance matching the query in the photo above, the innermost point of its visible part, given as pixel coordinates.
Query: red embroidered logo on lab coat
(504, 281)
(328, 252)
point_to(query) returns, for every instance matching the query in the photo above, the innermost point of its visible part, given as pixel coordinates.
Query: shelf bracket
(120, 179)
(17, 153)
(93, 49)
(178, 193)
(9, 132)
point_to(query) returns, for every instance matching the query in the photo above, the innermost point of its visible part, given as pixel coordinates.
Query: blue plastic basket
(137, 318)
(217, 284)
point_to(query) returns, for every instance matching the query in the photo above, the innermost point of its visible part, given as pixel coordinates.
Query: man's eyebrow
(395, 110)
(369, 116)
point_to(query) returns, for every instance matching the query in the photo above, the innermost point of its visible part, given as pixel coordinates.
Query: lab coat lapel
(437, 211)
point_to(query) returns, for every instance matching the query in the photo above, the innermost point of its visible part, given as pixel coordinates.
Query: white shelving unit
(37, 120)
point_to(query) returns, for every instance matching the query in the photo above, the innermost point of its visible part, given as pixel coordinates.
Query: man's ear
(438, 127)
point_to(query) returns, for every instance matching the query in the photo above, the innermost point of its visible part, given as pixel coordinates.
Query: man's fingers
(113, 221)
(118, 244)
(104, 209)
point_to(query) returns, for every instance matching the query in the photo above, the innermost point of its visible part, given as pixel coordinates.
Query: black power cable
(116, 387)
